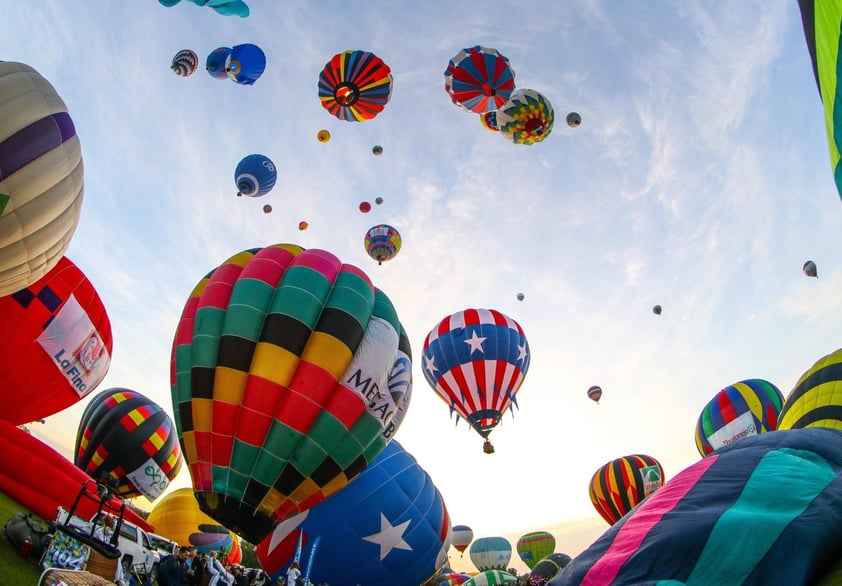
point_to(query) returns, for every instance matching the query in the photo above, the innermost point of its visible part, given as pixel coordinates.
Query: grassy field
(14, 570)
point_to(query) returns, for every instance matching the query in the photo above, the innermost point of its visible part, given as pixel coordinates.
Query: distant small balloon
(595, 393)
(185, 62)
(377, 150)
(365, 207)
(267, 209)
(323, 136)
(302, 225)
(520, 296)
(378, 200)
(574, 119)
(810, 269)
(656, 310)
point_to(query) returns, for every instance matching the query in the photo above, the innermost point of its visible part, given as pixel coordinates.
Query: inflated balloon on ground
(619, 485)
(177, 517)
(491, 553)
(816, 399)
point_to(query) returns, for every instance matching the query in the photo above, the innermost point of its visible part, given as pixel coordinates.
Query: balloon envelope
(549, 566)
(288, 367)
(355, 86)
(462, 537)
(810, 269)
(365, 207)
(741, 410)
(526, 118)
(479, 79)
(255, 175)
(177, 517)
(534, 546)
(382, 242)
(816, 399)
(215, 62)
(129, 439)
(377, 150)
(489, 121)
(573, 119)
(302, 225)
(323, 136)
(245, 64)
(657, 310)
(57, 344)
(41, 177)
(185, 63)
(595, 393)
(619, 485)
(491, 578)
(491, 553)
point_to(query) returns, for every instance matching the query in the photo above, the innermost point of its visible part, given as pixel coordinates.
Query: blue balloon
(255, 176)
(246, 63)
(388, 526)
(216, 62)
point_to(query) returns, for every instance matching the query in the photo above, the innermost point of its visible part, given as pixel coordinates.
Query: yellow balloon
(323, 136)
(816, 400)
(178, 518)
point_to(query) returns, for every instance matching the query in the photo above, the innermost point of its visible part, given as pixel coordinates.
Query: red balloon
(365, 207)
(56, 344)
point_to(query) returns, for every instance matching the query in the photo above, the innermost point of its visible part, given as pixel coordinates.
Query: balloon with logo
(532, 547)
(462, 537)
(41, 178)
(56, 344)
(476, 361)
(288, 368)
(479, 79)
(619, 485)
(526, 118)
(382, 242)
(255, 175)
(355, 86)
(816, 399)
(389, 526)
(245, 64)
(185, 63)
(491, 553)
(129, 440)
(177, 517)
(741, 410)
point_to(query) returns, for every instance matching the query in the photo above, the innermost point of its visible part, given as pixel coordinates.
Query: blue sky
(698, 180)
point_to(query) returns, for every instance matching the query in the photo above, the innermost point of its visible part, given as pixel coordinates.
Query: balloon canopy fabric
(741, 410)
(382, 242)
(479, 79)
(462, 537)
(490, 578)
(57, 344)
(185, 63)
(736, 517)
(595, 393)
(224, 7)
(526, 118)
(177, 517)
(255, 175)
(216, 62)
(619, 485)
(41, 173)
(245, 64)
(549, 566)
(534, 546)
(489, 121)
(128, 439)
(389, 526)
(816, 400)
(822, 20)
(288, 368)
(323, 136)
(491, 553)
(355, 86)
(810, 269)
(476, 360)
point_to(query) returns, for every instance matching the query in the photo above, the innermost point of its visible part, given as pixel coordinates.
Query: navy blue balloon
(388, 526)
(216, 61)
(255, 175)
(246, 63)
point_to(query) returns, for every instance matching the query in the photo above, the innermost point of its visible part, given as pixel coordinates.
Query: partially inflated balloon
(382, 242)
(389, 526)
(255, 175)
(185, 63)
(127, 439)
(288, 368)
(56, 344)
(40, 177)
(491, 553)
(621, 484)
(462, 537)
(178, 518)
(816, 400)
(738, 411)
(534, 546)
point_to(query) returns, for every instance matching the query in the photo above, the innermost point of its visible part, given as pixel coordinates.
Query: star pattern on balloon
(389, 537)
(475, 342)
(430, 364)
(521, 352)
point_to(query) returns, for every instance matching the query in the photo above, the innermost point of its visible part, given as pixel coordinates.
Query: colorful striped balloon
(618, 486)
(534, 546)
(355, 86)
(479, 79)
(816, 400)
(741, 410)
(491, 578)
(288, 370)
(462, 537)
(382, 242)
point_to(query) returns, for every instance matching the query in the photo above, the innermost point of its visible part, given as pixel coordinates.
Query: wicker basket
(101, 565)
(53, 576)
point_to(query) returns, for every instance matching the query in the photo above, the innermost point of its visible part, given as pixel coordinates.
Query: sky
(699, 180)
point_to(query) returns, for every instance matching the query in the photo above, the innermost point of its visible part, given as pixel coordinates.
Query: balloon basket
(487, 447)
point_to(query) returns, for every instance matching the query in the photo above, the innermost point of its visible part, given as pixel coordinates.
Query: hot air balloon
(56, 344)
(490, 578)
(657, 310)
(302, 225)
(177, 517)
(616, 487)
(389, 526)
(526, 118)
(548, 567)
(377, 150)
(534, 546)
(489, 121)
(816, 399)
(462, 537)
(491, 553)
(216, 61)
(323, 136)
(185, 63)
(520, 297)
(224, 7)
(476, 361)
(451, 578)
(129, 440)
(267, 209)
(810, 269)
(365, 207)
(378, 200)
(736, 516)
(255, 175)
(288, 367)
(355, 86)
(595, 393)
(479, 79)
(573, 119)
(40, 178)
(738, 411)
(382, 242)
(245, 64)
